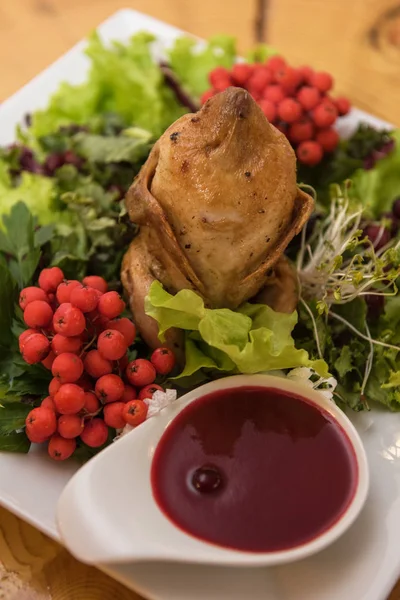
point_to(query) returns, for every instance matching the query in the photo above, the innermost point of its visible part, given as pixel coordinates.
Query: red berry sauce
(254, 469)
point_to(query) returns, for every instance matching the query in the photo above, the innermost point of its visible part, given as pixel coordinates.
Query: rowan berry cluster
(295, 100)
(75, 330)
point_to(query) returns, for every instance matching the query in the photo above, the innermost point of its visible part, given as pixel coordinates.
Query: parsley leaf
(7, 291)
(21, 240)
(14, 442)
(12, 415)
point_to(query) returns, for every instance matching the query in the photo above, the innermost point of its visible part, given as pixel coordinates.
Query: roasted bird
(217, 204)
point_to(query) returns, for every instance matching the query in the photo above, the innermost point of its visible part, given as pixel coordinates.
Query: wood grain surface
(358, 41)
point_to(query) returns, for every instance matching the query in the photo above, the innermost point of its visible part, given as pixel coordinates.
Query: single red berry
(274, 93)
(134, 412)
(69, 399)
(113, 415)
(218, 74)
(60, 344)
(85, 298)
(48, 403)
(111, 305)
(328, 138)
(309, 97)
(70, 426)
(67, 367)
(289, 110)
(269, 109)
(124, 326)
(222, 84)
(301, 131)
(38, 314)
(287, 78)
(36, 348)
(36, 439)
(163, 360)
(92, 403)
(24, 336)
(309, 153)
(129, 394)
(343, 105)
(259, 80)
(325, 114)
(148, 391)
(140, 372)
(54, 386)
(96, 365)
(95, 433)
(111, 344)
(241, 72)
(50, 279)
(41, 423)
(96, 282)
(48, 361)
(109, 388)
(276, 62)
(59, 448)
(322, 81)
(69, 320)
(306, 73)
(29, 294)
(206, 96)
(64, 290)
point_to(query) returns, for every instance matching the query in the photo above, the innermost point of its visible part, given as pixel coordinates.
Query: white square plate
(363, 565)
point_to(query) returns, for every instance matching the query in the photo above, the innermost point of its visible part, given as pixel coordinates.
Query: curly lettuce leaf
(250, 340)
(192, 62)
(260, 53)
(378, 187)
(37, 193)
(123, 79)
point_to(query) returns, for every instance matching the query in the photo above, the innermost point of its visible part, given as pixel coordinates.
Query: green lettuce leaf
(250, 340)
(394, 381)
(123, 79)
(192, 62)
(37, 193)
(260, 53)
(112, 149)
(378, 187)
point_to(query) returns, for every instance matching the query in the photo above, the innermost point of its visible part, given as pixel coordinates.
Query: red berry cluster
(295, 100)
(75, 331)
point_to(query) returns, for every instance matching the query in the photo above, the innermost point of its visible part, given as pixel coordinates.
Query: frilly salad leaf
(37, 193)
(376, 188)
(250, 340)
(192, 61)
(123, 79)
(260, 53)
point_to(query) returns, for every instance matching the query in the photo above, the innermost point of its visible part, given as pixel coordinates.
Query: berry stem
(88, 345)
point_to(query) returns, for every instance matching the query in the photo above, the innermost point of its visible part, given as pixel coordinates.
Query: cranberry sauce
(254, 469)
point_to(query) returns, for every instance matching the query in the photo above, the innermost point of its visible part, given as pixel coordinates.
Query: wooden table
(358, 41)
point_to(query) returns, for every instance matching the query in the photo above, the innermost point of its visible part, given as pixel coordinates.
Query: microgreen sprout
(338, 264)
